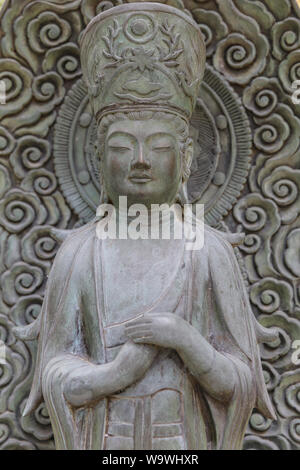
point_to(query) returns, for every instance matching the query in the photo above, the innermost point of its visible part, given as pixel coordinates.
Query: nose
(140, 161)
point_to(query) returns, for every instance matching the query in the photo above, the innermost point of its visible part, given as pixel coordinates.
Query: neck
(160, 221)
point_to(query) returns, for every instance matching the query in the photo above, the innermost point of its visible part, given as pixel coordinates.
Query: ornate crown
(143, 54)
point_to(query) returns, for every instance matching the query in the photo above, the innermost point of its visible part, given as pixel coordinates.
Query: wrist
(182, 335)
(211, 363)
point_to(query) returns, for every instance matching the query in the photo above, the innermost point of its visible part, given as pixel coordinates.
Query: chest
(138, 277)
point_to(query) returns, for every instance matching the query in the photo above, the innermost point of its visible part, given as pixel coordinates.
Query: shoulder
(215, 253)
(75, 240)
(216, 240)
(75, 249)
(216, 244)
(223, 264)
(218, 253)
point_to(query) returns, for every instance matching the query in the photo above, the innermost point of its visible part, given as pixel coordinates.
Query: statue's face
(142, 161)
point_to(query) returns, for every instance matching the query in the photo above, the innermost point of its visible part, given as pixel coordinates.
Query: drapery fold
(70, 335)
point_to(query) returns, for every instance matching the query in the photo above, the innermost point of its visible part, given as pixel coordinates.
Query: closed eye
(116, 148)
(163, 149)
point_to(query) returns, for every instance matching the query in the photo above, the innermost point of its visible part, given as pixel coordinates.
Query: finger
(144, 339)
(139, 333)
(140, 321)
(156, 316)
(133, 329)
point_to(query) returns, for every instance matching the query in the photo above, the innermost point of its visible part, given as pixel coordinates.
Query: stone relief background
(255, 46)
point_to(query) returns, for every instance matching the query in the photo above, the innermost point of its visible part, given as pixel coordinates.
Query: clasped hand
(88, 382)
(160, 329)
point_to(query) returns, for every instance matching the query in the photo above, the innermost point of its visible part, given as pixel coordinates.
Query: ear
(188, 158)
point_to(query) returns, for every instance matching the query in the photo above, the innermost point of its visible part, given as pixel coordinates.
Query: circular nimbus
(222, 147)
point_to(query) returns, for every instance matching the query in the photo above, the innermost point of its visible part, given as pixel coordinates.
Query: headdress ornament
(143, 55)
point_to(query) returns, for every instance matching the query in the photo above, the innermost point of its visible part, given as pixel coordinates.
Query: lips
(140, 177)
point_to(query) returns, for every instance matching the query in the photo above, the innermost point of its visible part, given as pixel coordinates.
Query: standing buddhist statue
(143, 344)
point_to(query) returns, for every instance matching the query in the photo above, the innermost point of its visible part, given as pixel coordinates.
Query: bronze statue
(142, 343)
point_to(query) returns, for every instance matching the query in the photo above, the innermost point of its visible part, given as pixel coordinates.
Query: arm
(90, 382)
(214, 371)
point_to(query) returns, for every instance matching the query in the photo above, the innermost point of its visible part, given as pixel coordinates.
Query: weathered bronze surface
(193, 382)
(143, 344)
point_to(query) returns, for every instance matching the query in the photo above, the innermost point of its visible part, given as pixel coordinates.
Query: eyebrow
(158, 133)
(116, 133)
(161, 134)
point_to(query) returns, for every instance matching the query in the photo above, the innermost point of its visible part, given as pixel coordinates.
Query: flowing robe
(207, 289)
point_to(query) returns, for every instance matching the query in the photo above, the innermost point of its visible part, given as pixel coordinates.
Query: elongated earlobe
(103, 194)
(187, 159)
